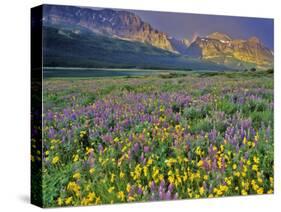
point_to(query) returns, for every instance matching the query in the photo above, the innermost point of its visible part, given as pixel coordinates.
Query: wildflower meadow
(160, 137)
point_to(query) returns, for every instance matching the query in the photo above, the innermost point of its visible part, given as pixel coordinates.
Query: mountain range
(78, 29)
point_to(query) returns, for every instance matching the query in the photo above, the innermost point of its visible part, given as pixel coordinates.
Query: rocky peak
(254, 40)
(186, 42)
(219, 36)
(122, 24)
(221, 48)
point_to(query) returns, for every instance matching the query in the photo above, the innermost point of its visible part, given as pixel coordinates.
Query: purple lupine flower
(212, 135)
(136, 147)
(246, 155)
(171, 187)
(73, 117)
(140, 191)
(168, 195)
(237, 148)
(214, 164)
(146, 149)
(152, 186)
(100, 148)
(161, 195)
(206, 165)
(161, 186)
(51, 133)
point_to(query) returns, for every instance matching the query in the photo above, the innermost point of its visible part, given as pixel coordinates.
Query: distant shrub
(270, 71)
(253, 69)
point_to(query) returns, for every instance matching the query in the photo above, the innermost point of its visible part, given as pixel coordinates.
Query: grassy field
(162, 137)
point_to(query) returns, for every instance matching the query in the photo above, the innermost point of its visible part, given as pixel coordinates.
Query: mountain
(122, 24)
(219, 36)
(222, 49)
(181, 46)
(216, 48)
(84, 48)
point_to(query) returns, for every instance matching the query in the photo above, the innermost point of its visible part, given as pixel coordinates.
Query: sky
(183, 25)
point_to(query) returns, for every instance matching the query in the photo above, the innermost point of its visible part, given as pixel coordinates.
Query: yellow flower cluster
(73, 187)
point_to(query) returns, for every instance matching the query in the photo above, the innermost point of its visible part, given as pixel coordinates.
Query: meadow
(163, 137)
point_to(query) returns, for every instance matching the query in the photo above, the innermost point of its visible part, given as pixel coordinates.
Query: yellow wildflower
(121, 175)
(271, 180)
(124, 149)
(55, 141)
(77, 176)
(91, 196)
(198, 151)
(270, 191)
(82, 133)
(245, 140)
(260, 180)
(128, 188)
(200, 163)
(60, 201)
(149, 162)
(121, 195)
(89, 150)
(237, 174)
(155, 172)
(111, 189)
(244, 192)
(98, 201)
(201, 190)
(131, 198)
(112, 178)
(68, 200)
(260, 191)
(228, 181)
(222, 147)
(171, 179)
(73, 187)
(75, 158)
(256, 160)
(161, 177)
(255, 167)
(55, 160)
(92, 170)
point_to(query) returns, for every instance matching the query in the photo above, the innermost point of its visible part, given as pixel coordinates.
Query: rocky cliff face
(121, 24)
(222, 49)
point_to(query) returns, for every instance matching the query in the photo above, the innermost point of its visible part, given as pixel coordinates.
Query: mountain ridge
(217, 47)
(69, 48)
(107, 21)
